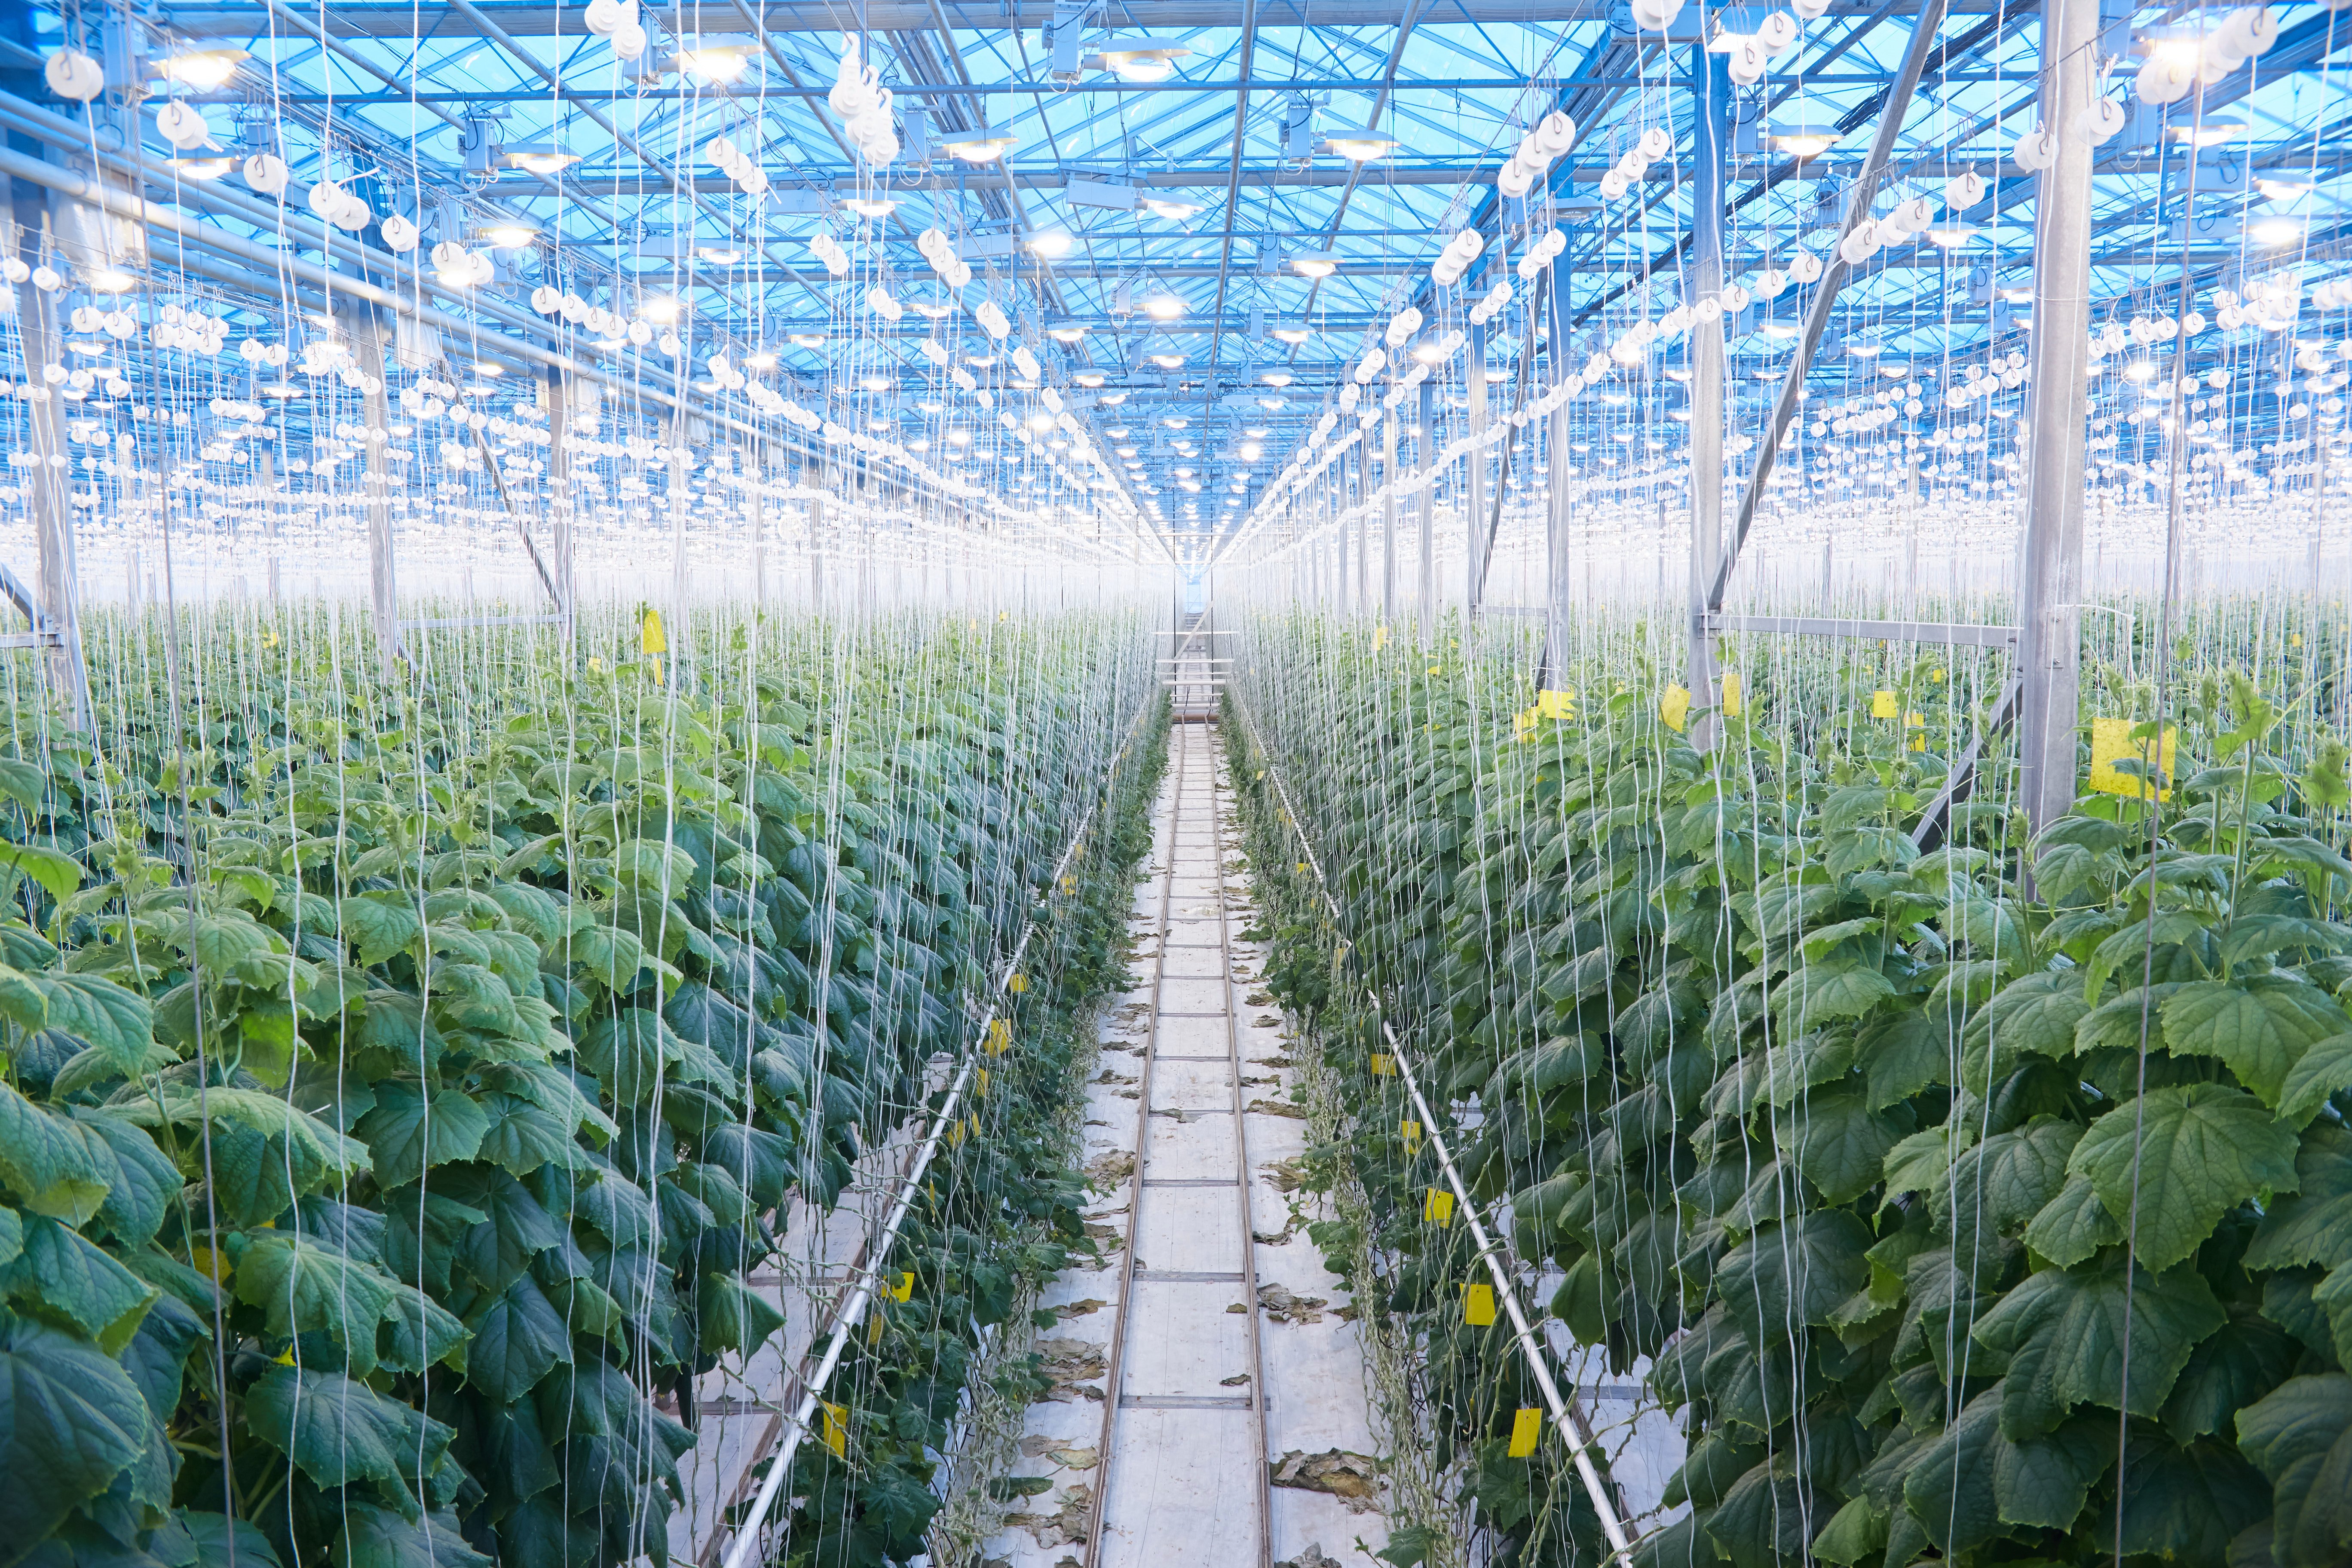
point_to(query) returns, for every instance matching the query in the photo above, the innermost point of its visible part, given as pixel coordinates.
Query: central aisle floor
(1194, 1078)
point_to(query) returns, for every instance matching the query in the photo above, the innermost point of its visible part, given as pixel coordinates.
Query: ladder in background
(1193, 674)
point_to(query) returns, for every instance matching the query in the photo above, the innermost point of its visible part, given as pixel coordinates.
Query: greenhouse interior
(684, 683)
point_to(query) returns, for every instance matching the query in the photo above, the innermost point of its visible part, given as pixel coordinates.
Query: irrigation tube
(1580, 1442)
(747, 1534)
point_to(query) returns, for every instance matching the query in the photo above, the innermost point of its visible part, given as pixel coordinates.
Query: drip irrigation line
(1568, 1422)
(852, 1310)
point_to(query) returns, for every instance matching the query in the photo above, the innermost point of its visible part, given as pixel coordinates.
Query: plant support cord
(747, 1534)
(1580, 1442)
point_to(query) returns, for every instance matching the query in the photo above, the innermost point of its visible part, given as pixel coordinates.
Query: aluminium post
(50, 502)
(1473, 507)
(1711, 138)
(1424, 447)
(2050, 649)
(1558, 580)
(369, 328)
(1388, 513)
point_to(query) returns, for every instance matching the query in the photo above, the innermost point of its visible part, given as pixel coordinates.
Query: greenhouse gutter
(747, 1533)
(1568, 1421)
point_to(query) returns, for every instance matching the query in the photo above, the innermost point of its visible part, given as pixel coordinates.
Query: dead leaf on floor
(1265, 1021)
(1277, 1237)
(1107, 1076)
(1288, 1175)
(1272, 1062)
(1064, 1525)
(1312, 1557)
(1086, 1308)
(1284, 1305)
(1237, 1307)
(1248, 1082)
(1345, 1314)
(1109, 1170)
(1353, 1478)
(1278, 1108)
(1108, 1236)
(1237, 1381)
(1128, 1093)
(1260, 998)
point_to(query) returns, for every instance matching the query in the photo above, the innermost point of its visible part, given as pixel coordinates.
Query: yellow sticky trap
(1003, 614)
(650, 637)
(1478, 1305)
(1437, 669)
(983, 1081)
(1731, 694)
(1937, 676)
(1673, 707)
(1016, 983)
(2294, 639)
(595, 665)
(1410, 1132)
(1523, 725)
(1526, 1427)
(873, 1330)
(1069, 884)
(955, 1134)
(1302, 868)
(904, 1290)
(1384, 1065)
(1437, 1208)
(836, 1427)
(1883, 705)
(2112, 742)
(975, 1123)
(1000, 1037)
(1379, 639)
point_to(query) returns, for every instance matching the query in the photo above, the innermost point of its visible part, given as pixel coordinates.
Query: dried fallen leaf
(1353, 1478)
(1283, 1306)
(1278, 1108)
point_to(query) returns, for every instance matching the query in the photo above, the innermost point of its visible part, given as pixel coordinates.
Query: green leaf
(1841, 1144)
(1856, 1533)
(118, 1022)
(517, 1339)
(409, 1132)
(1796, 1273)
(2072, 1225)
(1839, 990)
(1974, 1482)
(59, 873)
(47, 1162)
(23, 782)
(2189, 1154)
(381, 924)
(60, 1274)
(2324, 1070)
(2261, 1027)
(2036, 1013)
(2064, 1331)
(609, 954)
(339, 1432)
(2258, 936)
(2231, 1369)
(2313, 1225)
(1903, 1055)
(264, 1114)
(376, 1537)
(2300, 1437)
(417, 1332)
(2184, 1504)
(70, 1421)
(1918, 1164)
(2008, 1179)
(305, 1288)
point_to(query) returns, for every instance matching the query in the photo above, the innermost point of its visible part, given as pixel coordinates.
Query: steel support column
(2050, 650)
(371, 331)
(48, 500)
(1711, 147)
(1388, 514)
(1558, 584)
(558, 387)
(1424, 445)
(1474, 491)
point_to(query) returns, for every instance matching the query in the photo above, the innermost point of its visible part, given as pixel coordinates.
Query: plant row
(1991, 1202)
(404, 1082)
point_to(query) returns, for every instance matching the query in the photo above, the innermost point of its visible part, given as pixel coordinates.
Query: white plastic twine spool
(182, 125)
(400, 233)
(267, 173)
(606, 18)
(1913, 216)
(723, 154)
(2165, 78)
(629, 41)
(1514, 180)
(1613, 184)
(1964, 190)
(1656, 15)
(1777, 34)
(326, 197)
(1555, 135)
(1748, 62)
(1656, 144)
(2096, 121)
(74, 75)
(1804, 267)
(351, 215)
(547, 299)
(2036, 151)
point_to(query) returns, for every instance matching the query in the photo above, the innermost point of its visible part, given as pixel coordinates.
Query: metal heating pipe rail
(1580, 1442)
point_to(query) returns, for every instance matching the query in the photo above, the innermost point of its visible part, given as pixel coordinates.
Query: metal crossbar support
(1565, 1419)
(1961, 781)
(853, 1309)
(1924, 29)
(1958, 634)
